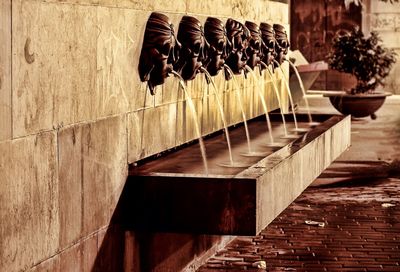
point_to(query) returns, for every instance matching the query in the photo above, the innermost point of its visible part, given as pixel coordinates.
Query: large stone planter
(357, 105)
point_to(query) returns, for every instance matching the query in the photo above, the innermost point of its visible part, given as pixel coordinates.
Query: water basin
(172, 193)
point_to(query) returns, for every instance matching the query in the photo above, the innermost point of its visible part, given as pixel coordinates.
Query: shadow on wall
(123, 249)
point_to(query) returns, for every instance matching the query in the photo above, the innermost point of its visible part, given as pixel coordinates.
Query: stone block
(232, 107)
(391, 39)
(196, 87)
(238, 9)
(89, 253)
(247, 97)
(29, 199)
(79, 257)
(119, 88)
(211, 117)
(171, 91)
(383, 22)
(275, 12)
(159, 129)
(221, 83)
(54, 64)
(185, 120)
(5, 70)
(382, 7)
(135, 132)
(70, 184)
(71, 259)
(211, 8)
(97, 171)
(50, 265)
(176, 6)
(173, 6)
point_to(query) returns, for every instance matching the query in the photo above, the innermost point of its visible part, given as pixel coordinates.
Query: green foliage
(365, 58)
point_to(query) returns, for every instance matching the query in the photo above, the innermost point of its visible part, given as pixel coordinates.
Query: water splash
(264, 104)
(303, 91)
(237, 92)
(289, 94)
(278, 97)
(196, 122)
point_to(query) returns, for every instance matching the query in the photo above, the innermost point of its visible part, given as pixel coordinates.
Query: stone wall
(74, 114)
(385, 19)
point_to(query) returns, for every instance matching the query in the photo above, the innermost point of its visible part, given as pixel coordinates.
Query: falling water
(196, 122)
(278, 97)
(221, 110)
(302, 89)
(264, 104)
(241, 107)
(290, 96)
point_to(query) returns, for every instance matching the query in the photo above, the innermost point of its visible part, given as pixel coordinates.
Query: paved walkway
(347, 220)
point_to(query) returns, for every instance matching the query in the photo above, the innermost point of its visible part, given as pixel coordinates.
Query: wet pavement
(347, 220)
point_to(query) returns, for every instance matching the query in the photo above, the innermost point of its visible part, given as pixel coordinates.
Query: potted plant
(369, 62)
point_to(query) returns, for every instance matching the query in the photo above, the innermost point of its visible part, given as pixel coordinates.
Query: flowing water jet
(278, 97)
(296, 129)
(250, 153)
(196, 122)
(221, 110)
(272, 143)
(310, 121)
(286, 136)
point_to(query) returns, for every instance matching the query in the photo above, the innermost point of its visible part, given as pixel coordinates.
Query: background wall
(385, 18)
(313, 26)
(315, 23)
(73, 114)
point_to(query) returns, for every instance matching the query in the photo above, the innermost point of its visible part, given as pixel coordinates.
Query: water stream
(221, 110)
(278, 97)
(290, 99)
(196, 122)
(265, 107)
(303, 91)
(250, 152)
(237, 92)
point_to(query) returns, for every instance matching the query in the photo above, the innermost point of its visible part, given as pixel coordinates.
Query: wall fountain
(159, 50)
(173, 192)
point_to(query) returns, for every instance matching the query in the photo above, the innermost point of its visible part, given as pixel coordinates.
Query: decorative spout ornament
(239, 36)
(220, 47)
(268, 37)
(282, 43)
(160, 50)
(194, 47)
(255, 49)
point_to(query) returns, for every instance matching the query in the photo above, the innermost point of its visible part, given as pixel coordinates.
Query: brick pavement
(358, 201)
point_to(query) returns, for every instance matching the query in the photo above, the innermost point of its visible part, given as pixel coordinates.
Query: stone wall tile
(159, 129)
(89, 253)
(29, 199)
(135, 131)
(119, 88)
(54, 65)
(175, 6)
(71, 259)
(70, 184)
(5, 70)
(97, 171)
(50, 265)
